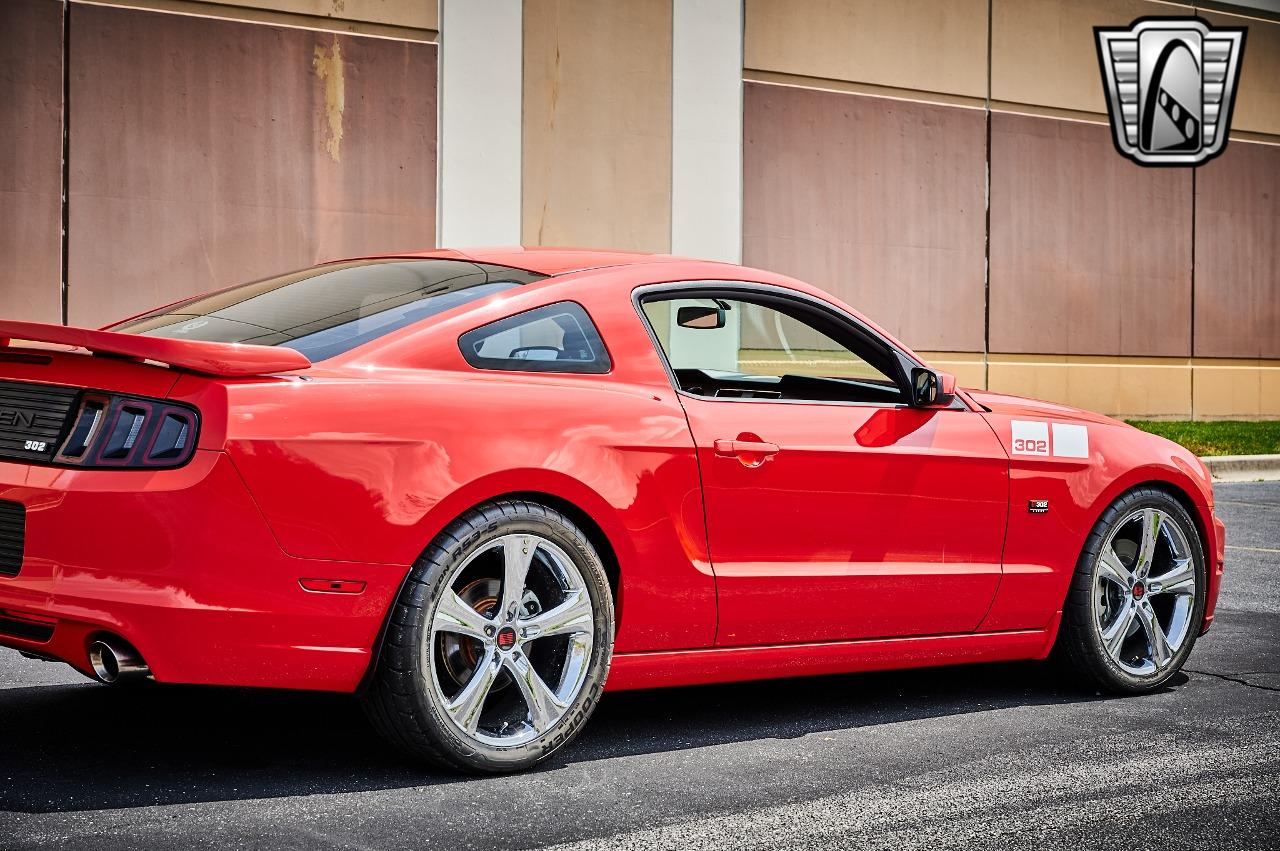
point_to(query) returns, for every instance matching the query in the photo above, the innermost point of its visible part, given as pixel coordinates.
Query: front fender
(1041, 549)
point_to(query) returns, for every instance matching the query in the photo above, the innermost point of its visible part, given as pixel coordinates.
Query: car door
(834, 510)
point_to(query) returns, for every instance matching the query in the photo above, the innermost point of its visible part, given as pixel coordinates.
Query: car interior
(745, 346)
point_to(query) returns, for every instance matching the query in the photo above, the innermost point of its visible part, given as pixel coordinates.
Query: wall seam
(671, 173)
(986, 228)
(439, 234)
(742, 132)
(66, 160)
(1195, 171)
(520, 160)
(213, 10)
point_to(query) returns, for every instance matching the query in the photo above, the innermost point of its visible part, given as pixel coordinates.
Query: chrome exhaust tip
(112, 660)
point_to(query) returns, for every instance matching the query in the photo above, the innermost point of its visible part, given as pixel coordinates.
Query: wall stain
(329, 68)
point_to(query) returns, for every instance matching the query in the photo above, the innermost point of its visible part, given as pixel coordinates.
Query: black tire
(1080, 643)
(403, 701)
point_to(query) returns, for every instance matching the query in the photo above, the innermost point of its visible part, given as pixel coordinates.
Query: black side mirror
(931, 389)
(924, 387)
(698, 316)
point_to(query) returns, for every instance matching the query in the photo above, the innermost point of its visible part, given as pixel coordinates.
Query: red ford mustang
(480, 487)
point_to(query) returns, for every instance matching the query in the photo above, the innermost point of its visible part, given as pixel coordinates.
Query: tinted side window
(735, 348)
(556, 338)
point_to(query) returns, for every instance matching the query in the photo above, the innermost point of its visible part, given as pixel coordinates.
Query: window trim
(770, 292)
(602, 366)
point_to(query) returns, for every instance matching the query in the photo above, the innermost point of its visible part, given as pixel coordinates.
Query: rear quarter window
(558, 337)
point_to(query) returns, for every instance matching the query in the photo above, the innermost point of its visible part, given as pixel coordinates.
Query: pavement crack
(1236, 680)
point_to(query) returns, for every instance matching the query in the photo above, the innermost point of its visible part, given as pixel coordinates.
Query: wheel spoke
(1114, 635)
(467, 704)
(517, 555)
(572, 617)
(454, 615)
(1160, 652)
(1151, 520)
(1112, 568)
(1179, 579)
(545, 708)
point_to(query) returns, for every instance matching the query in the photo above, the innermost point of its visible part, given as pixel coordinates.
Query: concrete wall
(871, 127)
(205, 150)
(597, 123)
(944, 165)
(223, 151)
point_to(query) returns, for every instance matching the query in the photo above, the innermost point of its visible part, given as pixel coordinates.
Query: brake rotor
(459, 653)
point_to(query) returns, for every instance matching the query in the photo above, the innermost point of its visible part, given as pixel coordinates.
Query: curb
(1243, 468)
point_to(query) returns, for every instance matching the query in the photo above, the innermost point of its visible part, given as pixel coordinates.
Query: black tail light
(129, 432)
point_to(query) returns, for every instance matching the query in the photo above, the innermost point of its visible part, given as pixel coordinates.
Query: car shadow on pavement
(87, 747)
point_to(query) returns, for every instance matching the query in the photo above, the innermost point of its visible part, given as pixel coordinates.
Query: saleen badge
(10, 418)
(1170, 85)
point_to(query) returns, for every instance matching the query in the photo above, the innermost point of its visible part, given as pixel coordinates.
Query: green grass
(1219, 438)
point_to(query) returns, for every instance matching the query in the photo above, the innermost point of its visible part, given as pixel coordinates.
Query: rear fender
(530, 482)
(372, 471)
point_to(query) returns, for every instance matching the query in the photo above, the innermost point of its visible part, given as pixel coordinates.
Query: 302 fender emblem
(1031, 437)
(1031, 447)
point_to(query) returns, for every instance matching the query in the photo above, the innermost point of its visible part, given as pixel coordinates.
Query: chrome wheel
(510, 640)
(1144, 592)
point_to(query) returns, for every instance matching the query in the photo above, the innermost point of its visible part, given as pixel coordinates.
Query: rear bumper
(181, 564)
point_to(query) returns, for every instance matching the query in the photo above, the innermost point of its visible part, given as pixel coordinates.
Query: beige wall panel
(878, 200)
(31, 165)
(1257, 105)
(968, 367)
(1228, 389)
(417, 14)
(207, 152)
(1043, 51)
(931, 45)
(1238, 253)
(597, 124)
(1269, 390)
(1090, 254)
(1133, 390)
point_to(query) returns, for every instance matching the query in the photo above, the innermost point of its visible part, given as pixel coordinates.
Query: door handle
(752, 453)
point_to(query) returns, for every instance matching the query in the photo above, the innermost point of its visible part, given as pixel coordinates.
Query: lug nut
(489, 631)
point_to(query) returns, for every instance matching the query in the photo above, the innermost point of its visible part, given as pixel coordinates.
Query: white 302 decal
(1032, 437)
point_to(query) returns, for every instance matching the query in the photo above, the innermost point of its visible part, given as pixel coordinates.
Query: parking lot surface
(990, 756)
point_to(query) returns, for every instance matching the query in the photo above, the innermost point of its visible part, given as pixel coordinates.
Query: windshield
(327, 310)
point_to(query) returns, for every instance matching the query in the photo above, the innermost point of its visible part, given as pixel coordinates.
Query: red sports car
(479, 487)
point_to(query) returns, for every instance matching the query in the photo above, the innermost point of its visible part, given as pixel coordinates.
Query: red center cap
(506, 638)
(1138, 590)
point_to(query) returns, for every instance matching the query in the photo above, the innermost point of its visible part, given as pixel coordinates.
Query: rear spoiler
(229, 359)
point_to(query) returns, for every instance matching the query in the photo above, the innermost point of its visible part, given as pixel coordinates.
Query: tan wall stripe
(281, 14)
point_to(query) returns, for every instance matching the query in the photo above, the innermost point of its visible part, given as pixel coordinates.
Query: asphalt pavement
(990, 756)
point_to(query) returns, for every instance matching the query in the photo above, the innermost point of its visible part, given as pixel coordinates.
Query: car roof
(540, 259)
(567, 263)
